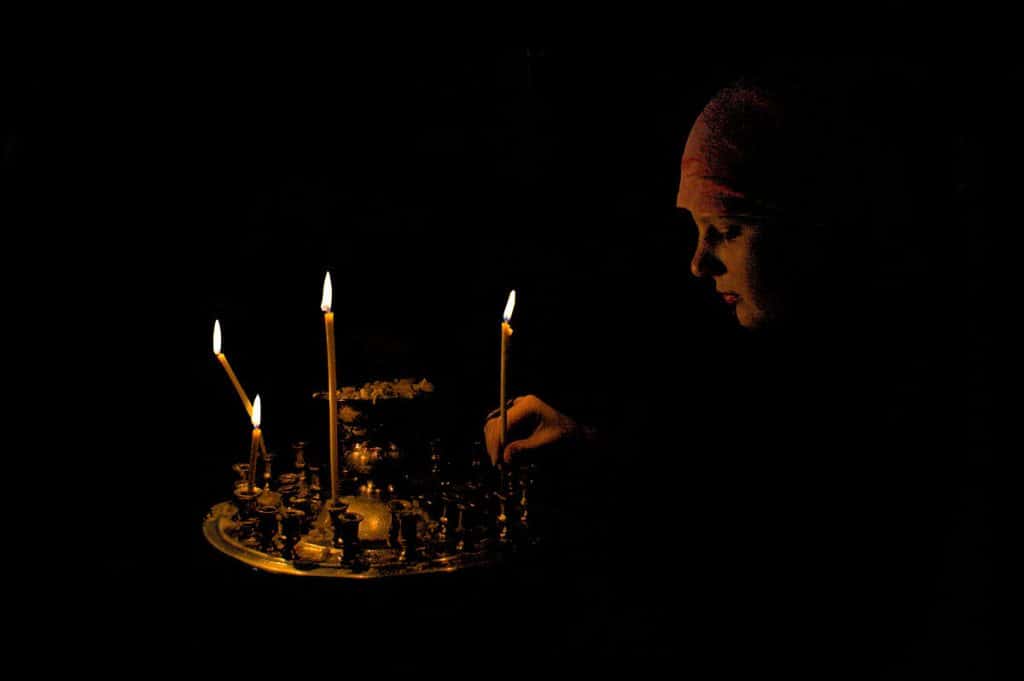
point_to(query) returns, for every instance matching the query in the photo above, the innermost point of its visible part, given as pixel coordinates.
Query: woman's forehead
(732, 218)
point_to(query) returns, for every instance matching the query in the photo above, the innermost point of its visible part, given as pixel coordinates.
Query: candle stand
(401, 510)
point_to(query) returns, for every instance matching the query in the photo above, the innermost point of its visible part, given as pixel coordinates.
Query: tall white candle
(332, 382)
(506, 333)
(257, 437)
(222, 358)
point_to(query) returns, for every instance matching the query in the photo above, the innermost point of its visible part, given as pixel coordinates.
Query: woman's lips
(730, 298)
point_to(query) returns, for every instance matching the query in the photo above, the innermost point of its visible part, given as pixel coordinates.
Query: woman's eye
(731, 232)
(724, 233)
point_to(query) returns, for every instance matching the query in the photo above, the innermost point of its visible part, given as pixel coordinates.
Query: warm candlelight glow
(216, 336)
(257, 443)
(509, 305)
(328, 297)
(222, 358)
(256, 412)
(506, 331)
(332, 383)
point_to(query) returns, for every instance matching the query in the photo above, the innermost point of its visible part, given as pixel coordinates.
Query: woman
(767, 181)
(802, 490)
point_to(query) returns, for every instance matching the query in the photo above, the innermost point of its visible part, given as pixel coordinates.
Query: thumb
(536, 440)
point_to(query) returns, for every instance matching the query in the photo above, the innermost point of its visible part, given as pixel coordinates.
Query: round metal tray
(316, 559)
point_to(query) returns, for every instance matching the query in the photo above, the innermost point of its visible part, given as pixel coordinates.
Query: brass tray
(316, 557)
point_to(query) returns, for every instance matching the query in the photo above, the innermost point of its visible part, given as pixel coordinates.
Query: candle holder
(245, 501)
(299, 448)
(245, 532)
(396, 507)
(242, 470)
(305, 506)
(406, 506)
(409, 523)
(336, 512)
(267, 516)
(524, 496)
(288, 496)
(500, 527)
(293, 523)
(460, 530)
(350, 536)
(394, 468)
(268, 497)
(315, 490)
(442, 535)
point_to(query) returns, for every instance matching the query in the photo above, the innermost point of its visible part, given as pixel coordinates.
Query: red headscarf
(755, 153)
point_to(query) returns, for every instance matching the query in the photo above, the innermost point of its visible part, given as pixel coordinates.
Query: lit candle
(257, 439)
(235, 379)
(506, 332)
(227, 367)
(332, 383)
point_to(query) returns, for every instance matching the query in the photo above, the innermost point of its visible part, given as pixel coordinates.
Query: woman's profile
(803, 484)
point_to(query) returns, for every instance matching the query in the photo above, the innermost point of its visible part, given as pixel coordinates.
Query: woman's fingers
(543, 436)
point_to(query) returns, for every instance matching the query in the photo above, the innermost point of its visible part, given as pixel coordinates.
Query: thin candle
(506, 333)
(222, 358)
(332, 383)
(257, 439)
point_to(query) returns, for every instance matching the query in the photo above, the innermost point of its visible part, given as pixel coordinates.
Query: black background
(161, 196)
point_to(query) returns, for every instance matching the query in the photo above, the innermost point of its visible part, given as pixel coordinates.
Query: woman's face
(735, 251)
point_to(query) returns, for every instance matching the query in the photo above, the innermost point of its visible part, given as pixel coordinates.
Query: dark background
(161, 196)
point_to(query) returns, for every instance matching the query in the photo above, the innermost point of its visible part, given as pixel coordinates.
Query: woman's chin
(750, 318)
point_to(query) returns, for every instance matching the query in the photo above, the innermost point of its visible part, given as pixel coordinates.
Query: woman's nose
(700, 265)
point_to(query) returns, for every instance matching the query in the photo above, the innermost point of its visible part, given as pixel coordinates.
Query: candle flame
(510, 305)
(216, 336)
(256, 412)
(328, 298)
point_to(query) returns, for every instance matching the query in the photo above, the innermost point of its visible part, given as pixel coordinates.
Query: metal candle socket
(305, 505)
(350, 536)
(292, 523)
(337, 511)
(246, 502)
(242, 470)
(396, 507)
(346, 532)
(408, 523)
(267, 526)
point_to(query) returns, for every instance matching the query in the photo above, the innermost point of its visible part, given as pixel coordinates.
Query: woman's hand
(532, 425)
